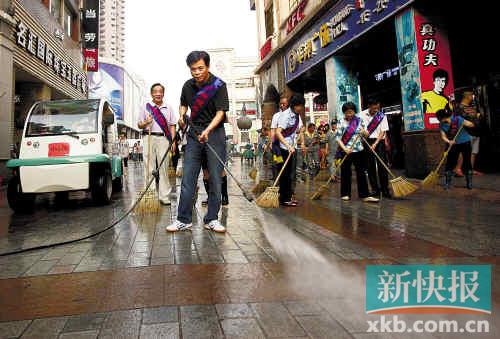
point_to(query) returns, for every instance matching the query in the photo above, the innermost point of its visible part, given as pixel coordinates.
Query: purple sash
(375, 122)
(204, 95)
(351, 130)
(275, 146)
(160, 119)
(347, 136)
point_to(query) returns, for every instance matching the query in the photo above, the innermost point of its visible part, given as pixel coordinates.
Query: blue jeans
(191, 170)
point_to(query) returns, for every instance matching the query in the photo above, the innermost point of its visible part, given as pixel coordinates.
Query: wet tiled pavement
(136, 280)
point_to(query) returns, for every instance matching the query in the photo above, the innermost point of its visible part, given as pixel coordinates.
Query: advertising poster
(409, 72)
(346, 84)
(107, 83)
(436, 75)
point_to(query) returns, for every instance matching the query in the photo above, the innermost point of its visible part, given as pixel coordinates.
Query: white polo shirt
(382, 127)
(286, 120)
(274, 121)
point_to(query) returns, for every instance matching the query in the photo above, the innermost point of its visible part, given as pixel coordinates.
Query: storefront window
(269, 16)
(55, 8)
(68, 20)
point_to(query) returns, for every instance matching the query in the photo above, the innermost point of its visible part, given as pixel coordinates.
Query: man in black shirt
(206, 96)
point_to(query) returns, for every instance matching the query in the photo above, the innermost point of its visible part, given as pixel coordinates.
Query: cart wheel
(118, 184)
(19, 202)
(102, 187)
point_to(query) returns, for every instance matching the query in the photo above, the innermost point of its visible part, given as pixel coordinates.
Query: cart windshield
(63, 117)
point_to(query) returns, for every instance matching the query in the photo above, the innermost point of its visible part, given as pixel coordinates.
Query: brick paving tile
(201, 328)
(155, 331)
(79, 335)
(303, 307)
(165, 314)
(45, 328)
(84, 322)
(242, 328)
(226, 311)
(322, 326)
(13, 329)
(276, 321)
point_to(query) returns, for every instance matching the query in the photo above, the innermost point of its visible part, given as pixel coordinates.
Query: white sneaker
(346, 198)
(166, 202)
(215, 226)
(371, 199)
(178, 226)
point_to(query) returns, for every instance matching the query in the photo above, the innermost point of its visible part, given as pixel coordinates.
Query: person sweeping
(348, 130)
(459, 142)
(289, 124)
(207, 98)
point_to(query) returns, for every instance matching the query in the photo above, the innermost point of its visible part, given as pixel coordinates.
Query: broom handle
(282, 169)
(445, 154)
(379, 158)
(342, 161)
(149, 153)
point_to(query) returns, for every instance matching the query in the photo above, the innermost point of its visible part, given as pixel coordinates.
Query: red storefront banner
(91, 59)
(436, 74)
(266, 48)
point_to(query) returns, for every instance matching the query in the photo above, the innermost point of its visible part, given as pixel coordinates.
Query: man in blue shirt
(451, 124)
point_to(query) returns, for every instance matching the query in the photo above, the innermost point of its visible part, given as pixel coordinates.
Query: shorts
(475, 144)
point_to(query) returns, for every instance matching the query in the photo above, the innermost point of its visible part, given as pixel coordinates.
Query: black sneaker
(225, 200)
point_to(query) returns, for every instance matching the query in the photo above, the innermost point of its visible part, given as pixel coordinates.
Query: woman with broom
(311, 141)
(350, 131)
(289, 124)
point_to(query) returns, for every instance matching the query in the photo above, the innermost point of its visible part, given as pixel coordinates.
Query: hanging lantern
(244, 123)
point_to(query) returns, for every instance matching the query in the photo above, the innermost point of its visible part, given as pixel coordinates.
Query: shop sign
(388, 73)
(344, 22)
(266, 48)
(91, 59)
(90, 24)
(36, 46)
(436, 76)
(426, 72)
(296, 16)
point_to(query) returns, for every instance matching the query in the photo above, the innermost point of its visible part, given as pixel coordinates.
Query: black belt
(160, 134)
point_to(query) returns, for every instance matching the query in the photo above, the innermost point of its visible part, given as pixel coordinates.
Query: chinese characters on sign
(435, 69)
(389, 73)
(90, 24)
(296, 16)
(37, 47)
(345, 21)
(409, 287)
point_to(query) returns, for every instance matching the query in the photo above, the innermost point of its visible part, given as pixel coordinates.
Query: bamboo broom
(171, 169)
(432, 178)
(324, 188)
(400, 186)
(149, 203)
(270, 197)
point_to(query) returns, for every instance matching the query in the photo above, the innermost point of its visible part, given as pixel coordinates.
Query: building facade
(112, 30)
(125, 92)
(413, 56)
(40, 59)
(238, 73)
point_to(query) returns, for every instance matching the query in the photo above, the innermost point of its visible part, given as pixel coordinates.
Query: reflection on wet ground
(286, 272)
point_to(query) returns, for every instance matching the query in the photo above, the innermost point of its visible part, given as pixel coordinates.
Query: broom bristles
(260, 187)
(401, 187)
(431, 179)
(148, 204)
(270, 198)
(319, 193)
(171, 172)
(253, 173)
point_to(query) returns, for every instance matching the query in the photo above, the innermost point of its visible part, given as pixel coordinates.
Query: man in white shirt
(376, 140)
(274, 126)
(289, 124)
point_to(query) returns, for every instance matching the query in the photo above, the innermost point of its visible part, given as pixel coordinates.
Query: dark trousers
(451, 161)
(373, 166)
(192, 165)
(286, 177)
(358, 159)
